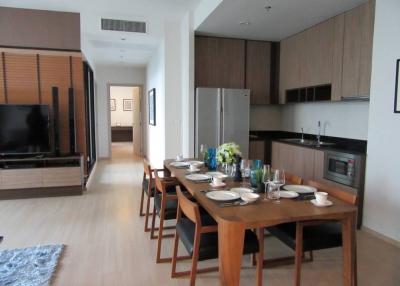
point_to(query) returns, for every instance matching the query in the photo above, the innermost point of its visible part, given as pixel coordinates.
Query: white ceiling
(285, 18)
(106, 47)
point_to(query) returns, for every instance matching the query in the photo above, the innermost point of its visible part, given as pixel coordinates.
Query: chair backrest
(147, 169)
(160, 184)
(294, 179)
(336, 192)
(189, 208)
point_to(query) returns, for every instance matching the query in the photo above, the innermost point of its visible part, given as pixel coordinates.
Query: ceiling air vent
(123, 26)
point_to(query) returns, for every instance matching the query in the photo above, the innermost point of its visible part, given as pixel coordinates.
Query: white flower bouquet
(227, 153)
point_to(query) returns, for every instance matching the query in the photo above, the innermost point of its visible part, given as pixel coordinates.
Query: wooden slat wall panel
(80, 110)
(22, 79)
(2, 91)
(55, 71)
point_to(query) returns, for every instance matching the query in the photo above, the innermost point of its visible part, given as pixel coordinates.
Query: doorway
(125, 119)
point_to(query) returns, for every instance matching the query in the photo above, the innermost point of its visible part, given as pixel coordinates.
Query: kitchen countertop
(353, 146)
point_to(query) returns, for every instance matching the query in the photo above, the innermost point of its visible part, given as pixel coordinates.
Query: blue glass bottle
(212, 159)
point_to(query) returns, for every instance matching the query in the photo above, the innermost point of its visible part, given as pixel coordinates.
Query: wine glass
(245, 169)
(266, 178)
(279, 180)
(203, 150)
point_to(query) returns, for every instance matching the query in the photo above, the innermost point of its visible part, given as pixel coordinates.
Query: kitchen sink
(307, 142)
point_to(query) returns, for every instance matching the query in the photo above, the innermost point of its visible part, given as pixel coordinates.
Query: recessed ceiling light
(123, 39)
(268, 8)
(244, 23)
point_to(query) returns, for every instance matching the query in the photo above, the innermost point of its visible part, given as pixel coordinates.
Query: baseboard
(382, 236)
(40, 192)
(92, 174)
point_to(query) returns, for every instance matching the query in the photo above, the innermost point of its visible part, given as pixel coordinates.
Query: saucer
(327, 204)
(218, 186)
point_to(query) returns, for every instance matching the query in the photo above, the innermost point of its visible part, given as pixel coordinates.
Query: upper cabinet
(357, 51)
(329, 61)
(219, 62)
(258, 72)
(233, 63)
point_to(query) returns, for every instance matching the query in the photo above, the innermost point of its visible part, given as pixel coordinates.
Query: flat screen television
(24, 129)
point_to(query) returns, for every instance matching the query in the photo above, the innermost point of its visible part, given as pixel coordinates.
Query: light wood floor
(106, 244)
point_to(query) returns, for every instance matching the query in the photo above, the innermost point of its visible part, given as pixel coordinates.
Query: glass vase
(212, 159)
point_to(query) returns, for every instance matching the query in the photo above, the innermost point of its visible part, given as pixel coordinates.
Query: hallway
(106, 244)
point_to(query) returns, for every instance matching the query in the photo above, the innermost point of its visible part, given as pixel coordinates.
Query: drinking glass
(245, 169)
(267, 176)
(279, 180)
(273, 192)
(203, 150)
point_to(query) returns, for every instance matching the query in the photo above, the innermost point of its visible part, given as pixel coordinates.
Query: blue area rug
(32, 266)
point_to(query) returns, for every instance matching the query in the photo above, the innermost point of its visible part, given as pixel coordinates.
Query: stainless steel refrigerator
(222, 115)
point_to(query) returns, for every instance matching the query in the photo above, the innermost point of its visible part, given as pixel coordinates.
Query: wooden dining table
(234, 220)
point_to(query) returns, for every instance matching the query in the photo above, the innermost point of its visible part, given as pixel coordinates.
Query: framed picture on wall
(152, 107)
(127, 104)
(113, 105)
(397, 87)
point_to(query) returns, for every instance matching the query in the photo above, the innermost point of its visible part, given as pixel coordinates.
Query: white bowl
(249, 197)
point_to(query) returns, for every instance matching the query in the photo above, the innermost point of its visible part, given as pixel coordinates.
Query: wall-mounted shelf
(309, 94)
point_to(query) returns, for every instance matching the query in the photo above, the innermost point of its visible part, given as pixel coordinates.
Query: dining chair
(165, 207)
(293, 179)
(148, 188)
(307, 236)
(199, 235)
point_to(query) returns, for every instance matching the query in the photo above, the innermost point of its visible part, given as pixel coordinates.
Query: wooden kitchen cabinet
(257, 150)
(313, 58)
(293, 159)
(258, 71)
(357, 51)
(219, 62)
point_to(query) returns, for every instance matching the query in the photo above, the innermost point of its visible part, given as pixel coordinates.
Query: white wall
(338, 119)
(187, 95)
(106, 75)
(119, 116)
(173, 90)
(156, 134)
(382, 192)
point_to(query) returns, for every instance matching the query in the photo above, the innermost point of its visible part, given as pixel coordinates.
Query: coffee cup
(179, 158)
(216, 180)
(193, 167)
(321, 198)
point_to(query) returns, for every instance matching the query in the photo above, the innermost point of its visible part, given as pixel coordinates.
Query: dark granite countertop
(353, 146)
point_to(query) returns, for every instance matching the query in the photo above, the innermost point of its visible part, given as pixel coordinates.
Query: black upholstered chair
(199, 235)
(307, 236)
(148, 189)
(165, 207)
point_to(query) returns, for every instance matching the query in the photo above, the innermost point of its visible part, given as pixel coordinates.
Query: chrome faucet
(319, 133)
(302, 135)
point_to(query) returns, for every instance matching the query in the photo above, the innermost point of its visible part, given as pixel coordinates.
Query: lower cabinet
(257, 150)
(293, 159)
(304, 162)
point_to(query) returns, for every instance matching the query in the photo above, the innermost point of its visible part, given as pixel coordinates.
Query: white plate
(301, 189)
(179, 164)
(288, 194)
(217, 174)
(241, 191)
(327, 204)
(198, 163)
(198, 177)
(218, 185)
(222, 196)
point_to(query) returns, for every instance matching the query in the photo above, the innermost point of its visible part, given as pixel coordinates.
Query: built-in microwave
(344, 168)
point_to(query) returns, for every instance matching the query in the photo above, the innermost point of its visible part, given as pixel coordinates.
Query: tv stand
(41, 176)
